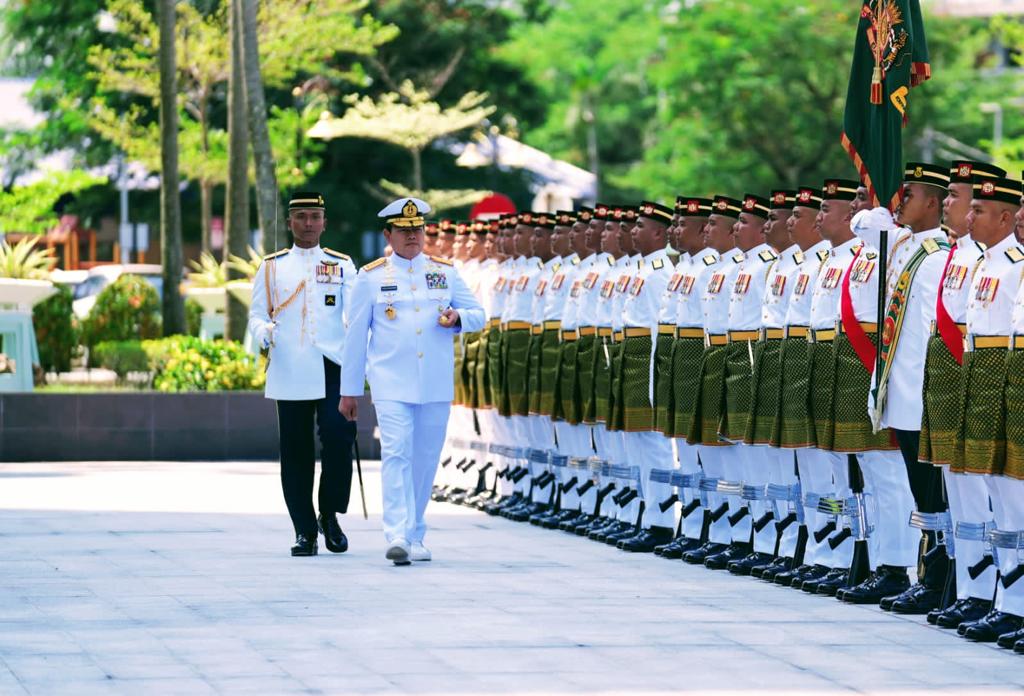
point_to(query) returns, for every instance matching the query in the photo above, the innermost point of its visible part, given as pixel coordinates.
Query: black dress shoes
(721, 560)
(335, 539)
(674, 550)
(1009, 640)
(991, 626)
(646, 540)
(836, 579)
(797, 576)
(700, 553)
(884, 582)
(305, 545)
(744, 565)
(963, 611)
(776, 566)
(916, 601)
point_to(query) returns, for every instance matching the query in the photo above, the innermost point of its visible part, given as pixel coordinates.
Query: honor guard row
(813, 392)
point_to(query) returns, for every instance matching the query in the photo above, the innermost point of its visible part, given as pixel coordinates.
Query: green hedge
(127, 309)
(185, 363)
(56, 332)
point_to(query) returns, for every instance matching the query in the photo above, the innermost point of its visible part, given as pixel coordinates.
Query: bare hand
(348, 407)
(449, 318)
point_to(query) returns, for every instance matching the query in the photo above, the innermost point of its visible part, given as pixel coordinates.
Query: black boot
(305, 545)
(991, 626)
(963, 611)
(645, 541)
(721, 560)
(700, 553)
(335, 539)
(885, 581)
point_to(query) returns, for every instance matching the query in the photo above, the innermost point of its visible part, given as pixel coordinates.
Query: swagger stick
(359, 471)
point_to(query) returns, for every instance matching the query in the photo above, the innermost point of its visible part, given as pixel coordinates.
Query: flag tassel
(876, 86)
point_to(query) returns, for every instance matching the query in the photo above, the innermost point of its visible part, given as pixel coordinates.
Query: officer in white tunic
(404, 310)
(298, 297)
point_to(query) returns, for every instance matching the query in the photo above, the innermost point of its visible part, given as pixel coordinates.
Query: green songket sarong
(853, 431)
(687, 354)
(635, 384)
(765, 392)
(940, 417)
(664, 384)
(738, 378)
(515, 394)
(795, 426)
(981, 436)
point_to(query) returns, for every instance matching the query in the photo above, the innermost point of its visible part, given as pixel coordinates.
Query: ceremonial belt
(516, 326)
(979, 342)
(604, 331)
(934, 330)
(866, 326)
(538, 329)
(637, 332)
(771, 334)
(618, 336)
(552, 325)
(796, 331)
(569, 335)
(689, 332)
(821, 335)
(735, 336)
(1018, 343)
(494, 323)
(587, 331)
(666, 329)
(715, 339)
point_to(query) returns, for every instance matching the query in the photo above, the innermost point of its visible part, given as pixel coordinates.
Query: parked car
(102, 276)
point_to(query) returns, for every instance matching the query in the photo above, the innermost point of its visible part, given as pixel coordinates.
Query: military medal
(715, 284)
(801, 284)
(390, 291)
(390, 312)
(686, 285)
(742, 284)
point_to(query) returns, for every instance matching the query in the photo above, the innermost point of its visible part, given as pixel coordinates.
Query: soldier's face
(802, 228)
(406, 242)
(578, 238)
(833, 221)
(648, 236)
(626, 238)
(915, 206)
(989, 221)
(560, 241)
(955, 207)
(862, 201)
(776, 231)
(610, 240)
(594, 230)
(522, 237)
(747, 231)
(719, 233)
(541, 243)
(691, 234)
(307, 225)
(445, 243)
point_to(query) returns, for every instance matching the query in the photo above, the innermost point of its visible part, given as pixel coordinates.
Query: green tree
(29, 208)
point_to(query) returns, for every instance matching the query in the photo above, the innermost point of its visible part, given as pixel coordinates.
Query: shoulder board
(576, 261)
(822, 255)
(709, 259)
(610, 260)
(930, 245)
(540, 264)
(556, 267)
(658, 264)
(338, 254)
(982, 246)
(768, 255)
(1015, 254)
(276, 254)
(870, 255)
(375, 264)
(798, 257)
(441, 260)
(640, 263)
(738, 258)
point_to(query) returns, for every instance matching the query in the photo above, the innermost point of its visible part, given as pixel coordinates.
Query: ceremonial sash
(948, 330)
(892, 329)
(862, 344)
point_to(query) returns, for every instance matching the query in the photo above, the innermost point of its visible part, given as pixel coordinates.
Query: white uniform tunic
(310, 290)
(798, 309)
(689, 292)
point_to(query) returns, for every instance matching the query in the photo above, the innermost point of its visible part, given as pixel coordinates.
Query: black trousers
(926, 485)
(295, 420)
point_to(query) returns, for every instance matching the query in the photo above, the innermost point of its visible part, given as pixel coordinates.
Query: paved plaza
(174, 578)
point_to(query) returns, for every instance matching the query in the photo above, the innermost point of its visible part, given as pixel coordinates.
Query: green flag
(889, 57)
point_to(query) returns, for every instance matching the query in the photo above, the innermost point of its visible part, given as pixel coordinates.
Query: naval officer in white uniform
(299, 295)
(403, 313)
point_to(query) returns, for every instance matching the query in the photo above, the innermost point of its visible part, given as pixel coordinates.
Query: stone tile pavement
(174, 578)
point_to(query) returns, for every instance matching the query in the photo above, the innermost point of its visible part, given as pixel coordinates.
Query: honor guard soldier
(298, 299)
(966, 494)
(993, 316)
(404, 310)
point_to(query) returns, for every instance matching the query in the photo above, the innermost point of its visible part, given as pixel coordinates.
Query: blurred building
(975, 8)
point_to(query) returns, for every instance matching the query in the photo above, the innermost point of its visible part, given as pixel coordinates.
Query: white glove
(867, 224)
(268, 336)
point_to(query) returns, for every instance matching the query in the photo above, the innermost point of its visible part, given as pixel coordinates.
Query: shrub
(127, 309)
(121, 356)
(56, 332)
(185, 363)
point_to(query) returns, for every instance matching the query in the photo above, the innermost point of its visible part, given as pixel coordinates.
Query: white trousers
(651, 450)
(818, 472)
(889, 504)
(689, 463)
(411, 437)
(783, 472)
(969, 502)
(760, 465)
(733, 469)
(1008, 507)
(711, 457)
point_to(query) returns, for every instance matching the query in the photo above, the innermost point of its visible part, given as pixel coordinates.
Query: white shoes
(398, 552)
(419, 552)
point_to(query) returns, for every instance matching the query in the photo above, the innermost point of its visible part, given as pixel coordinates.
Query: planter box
(126, 426)
(22, 294)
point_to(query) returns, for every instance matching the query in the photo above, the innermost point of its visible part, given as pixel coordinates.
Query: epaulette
(540, 265)
(441, 260)
(930, 245)
(798, 257)
(658, 264)
(276, 254)
(610, 259)
(375, 264)
(556, 267)
(576, 261)
(709, 259)
(982, 245)
(738, 258)
(822, 255)
(871, 255)
(768, 255)
(332, 252)
(1015, 254)
(640, 264)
